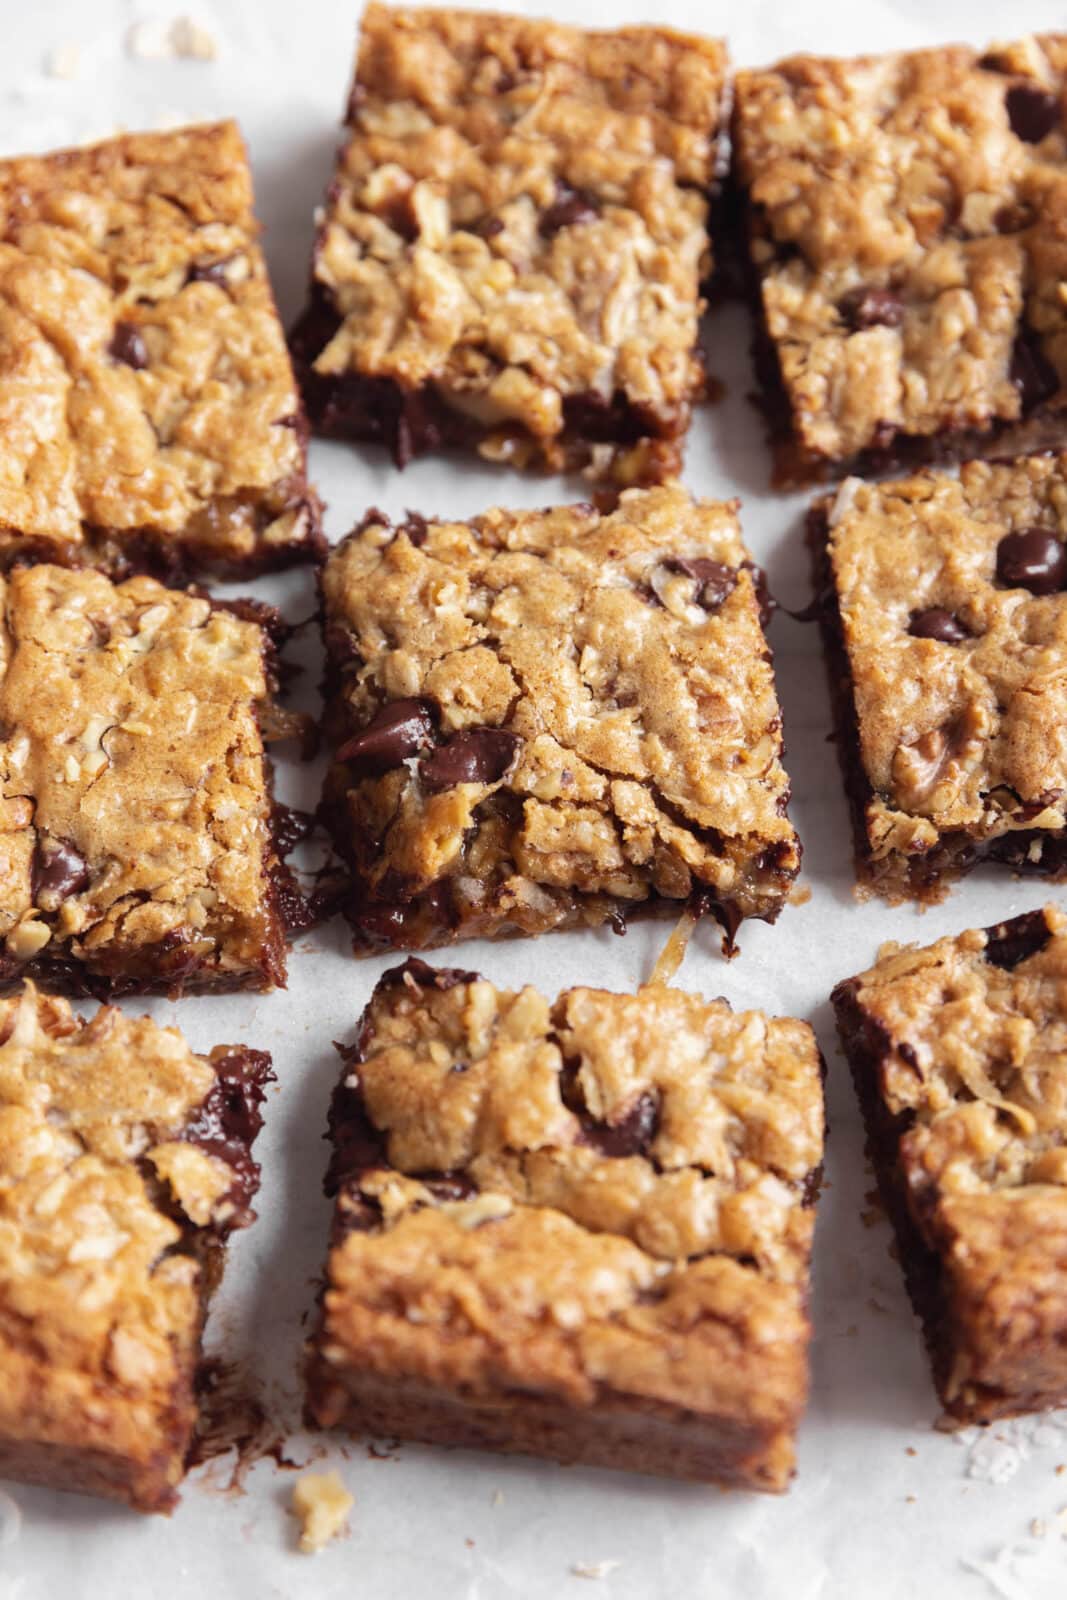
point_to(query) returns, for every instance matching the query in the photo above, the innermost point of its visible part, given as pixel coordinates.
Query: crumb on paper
(1039, 1528)
(498, 1497)
(594, 1569)
(148, 40)
(62, 61)
(181, 39)
(191, 41)
(911, 1499)
(910, 1450)
(322, 1503)
(1061, 1521)
(800, 894)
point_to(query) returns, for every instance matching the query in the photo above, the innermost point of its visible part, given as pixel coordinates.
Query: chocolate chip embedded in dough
(871, 308)
(937, 623)
(569, 209)
(1033, 559)
(1033, 112)
(714, 581)
(59, 870)
(477, 755)
(1010, 942)
(128, 346)
(399, 730)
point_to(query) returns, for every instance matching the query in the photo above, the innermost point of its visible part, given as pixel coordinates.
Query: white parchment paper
(883, 1505)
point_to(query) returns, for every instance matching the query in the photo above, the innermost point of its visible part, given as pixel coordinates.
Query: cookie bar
(580, 1230)
(137, 849)
(945, 619)
(545, 719)
(958, 1052)
(124, 1163)
(512, 248)
(149, 417)
(906, 222)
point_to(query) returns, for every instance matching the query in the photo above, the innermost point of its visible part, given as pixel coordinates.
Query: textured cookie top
(954, 617)
(100, 1177)
(143, 369)
(966, 1043)
(133, 798)
(608, 671)
(605, 1182)
(909, 218)
(519, 214)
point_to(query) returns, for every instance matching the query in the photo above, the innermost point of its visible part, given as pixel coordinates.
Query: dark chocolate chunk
(477, 755)
(229, 1119)
(937, 623)
(871, 308)
(59, 870)
(128, 346)
(1032, 111)
(427, 977)
(1034, 559)
(398, 731)
(714, 581)
(632, 1135)
(1031, 372)
(1010, 942)
(209, 272)
(569, 209)
(451, 1186)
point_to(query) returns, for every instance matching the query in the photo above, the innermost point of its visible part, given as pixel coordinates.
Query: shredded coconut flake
(594, 1569)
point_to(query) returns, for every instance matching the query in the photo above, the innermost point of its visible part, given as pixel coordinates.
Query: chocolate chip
(59, 870)
(871, 308)
(399, 730)
(414, 970)
(714, 581)
(1031, 372)
(937, 623)
(1032, 112)
(1008, 943)
(209, 272)
(227, 1122)
(632, 1135)
(477, 755)
(569, 209)
(128, 346)
(451, 1186)
(1034, 559)
(487, 227)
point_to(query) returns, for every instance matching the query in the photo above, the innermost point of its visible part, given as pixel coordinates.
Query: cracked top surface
(519, 214)
(145, 385)
(595, 1195)
(971, 1033)
(964, 730)
(134, 806)
(99, 1308)
(910, 232)
(599, 700)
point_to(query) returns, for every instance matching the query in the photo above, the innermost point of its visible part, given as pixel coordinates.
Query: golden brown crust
(135, 813)
(519, 221)
(619, 664)
(602, 1204)
(958, 1049)
(148, 410)
(960, 739)
(101, 1293)
(908, 230)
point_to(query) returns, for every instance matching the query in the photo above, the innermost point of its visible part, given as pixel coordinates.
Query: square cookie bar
(512, 248)
(137, 847)
(945, 620)
(546, 719)
(149, 417)
(124, 1163)
(580, 1230)
(906, 221)
(959, 1053)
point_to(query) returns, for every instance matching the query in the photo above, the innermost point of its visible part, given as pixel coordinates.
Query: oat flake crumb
(63, 61)
(322, 1503)
(594, 1569)
(191, 41)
